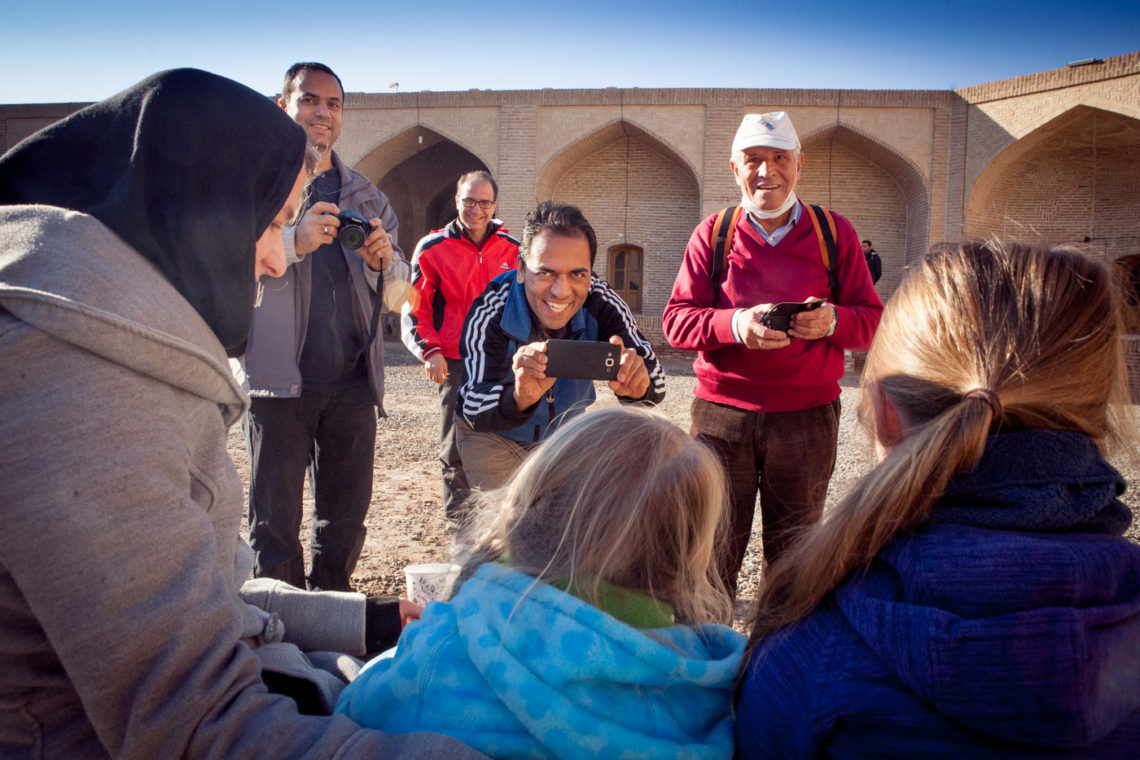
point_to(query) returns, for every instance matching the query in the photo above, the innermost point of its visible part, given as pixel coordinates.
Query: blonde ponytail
(979, 338)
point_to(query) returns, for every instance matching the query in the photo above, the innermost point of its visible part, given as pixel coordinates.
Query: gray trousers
(455, 485)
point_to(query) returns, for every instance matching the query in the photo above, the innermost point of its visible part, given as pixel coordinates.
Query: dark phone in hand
(582, 359)
(779, 317)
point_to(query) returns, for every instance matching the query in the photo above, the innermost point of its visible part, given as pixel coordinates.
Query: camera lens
(352, 236)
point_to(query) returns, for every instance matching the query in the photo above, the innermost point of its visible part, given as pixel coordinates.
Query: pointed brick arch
(1072, 180)
(880, 191)
(392, 150)
(632, 186)
(1045, 116)
(607, 134)
(417, 169)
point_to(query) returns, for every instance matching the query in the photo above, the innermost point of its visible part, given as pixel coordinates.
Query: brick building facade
(1051, 157)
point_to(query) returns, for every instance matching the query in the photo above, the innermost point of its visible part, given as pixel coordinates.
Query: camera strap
(374, 322)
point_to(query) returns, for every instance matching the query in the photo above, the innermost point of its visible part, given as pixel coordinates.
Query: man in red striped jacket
(450, 268)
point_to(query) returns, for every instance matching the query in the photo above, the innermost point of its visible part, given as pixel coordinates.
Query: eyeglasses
(470, 202)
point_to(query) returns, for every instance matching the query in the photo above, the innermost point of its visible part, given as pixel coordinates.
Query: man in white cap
(767, 399)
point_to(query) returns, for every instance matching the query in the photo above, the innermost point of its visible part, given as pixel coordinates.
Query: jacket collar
(630, 607)
(455, 232)
(350, 181)
(1037, 480)
(518, 319)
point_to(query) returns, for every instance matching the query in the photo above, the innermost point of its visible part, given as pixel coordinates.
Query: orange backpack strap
(723, 229)
(828, 250)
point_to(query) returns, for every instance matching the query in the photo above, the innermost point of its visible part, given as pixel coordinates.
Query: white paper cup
(430, 582)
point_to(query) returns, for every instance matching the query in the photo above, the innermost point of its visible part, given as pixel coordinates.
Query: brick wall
(633, 192)
(1051, 156)
(1076, 180)
(883, 196)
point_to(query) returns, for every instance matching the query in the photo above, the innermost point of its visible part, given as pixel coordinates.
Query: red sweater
(448, 274)
(799, 376)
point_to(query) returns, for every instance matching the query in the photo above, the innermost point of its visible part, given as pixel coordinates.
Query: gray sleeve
(328, 621)
(108, 545)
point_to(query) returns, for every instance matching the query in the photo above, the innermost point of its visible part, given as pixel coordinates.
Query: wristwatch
(834, 322)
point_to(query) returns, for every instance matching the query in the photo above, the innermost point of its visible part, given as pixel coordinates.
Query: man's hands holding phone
(531, 362)
(759, 326)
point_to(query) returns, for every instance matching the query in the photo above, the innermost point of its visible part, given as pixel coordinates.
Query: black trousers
(332, 436)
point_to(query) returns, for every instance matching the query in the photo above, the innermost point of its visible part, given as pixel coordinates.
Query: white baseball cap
(768, 130)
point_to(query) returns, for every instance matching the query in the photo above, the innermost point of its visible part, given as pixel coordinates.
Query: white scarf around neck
(758, 213)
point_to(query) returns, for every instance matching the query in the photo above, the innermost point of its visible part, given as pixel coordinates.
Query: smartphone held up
(582, 359)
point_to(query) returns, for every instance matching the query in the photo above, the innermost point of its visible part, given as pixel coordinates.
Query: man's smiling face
(556, 277)
(475, 219)
(767, 175)
(315, 103)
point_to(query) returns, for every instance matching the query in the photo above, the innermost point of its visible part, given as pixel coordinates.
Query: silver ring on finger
(325, 230)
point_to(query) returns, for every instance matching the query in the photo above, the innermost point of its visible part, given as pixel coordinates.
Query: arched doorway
(632, 187)
(882, 195)
(417, 170)
(1071, 181)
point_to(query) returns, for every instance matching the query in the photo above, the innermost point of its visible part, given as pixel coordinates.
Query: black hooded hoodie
(187, 167)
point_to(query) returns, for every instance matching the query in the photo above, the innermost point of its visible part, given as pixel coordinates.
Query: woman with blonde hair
(587, 625)
(972, 596)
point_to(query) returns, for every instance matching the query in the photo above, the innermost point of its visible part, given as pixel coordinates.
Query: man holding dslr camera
(314, 363)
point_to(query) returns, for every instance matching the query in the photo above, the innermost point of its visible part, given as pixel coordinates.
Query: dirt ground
(406, 523)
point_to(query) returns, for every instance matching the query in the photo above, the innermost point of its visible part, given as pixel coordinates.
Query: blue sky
(81, 51)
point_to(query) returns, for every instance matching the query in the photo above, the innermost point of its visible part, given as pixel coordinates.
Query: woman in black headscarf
(185, 167)
(131, 237)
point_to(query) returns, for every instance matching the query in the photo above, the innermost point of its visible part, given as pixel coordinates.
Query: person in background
(972, 596)
(132, 235)
(874, 263)
(450, 269)
(767, 401)
(314, 362)
(588, 623)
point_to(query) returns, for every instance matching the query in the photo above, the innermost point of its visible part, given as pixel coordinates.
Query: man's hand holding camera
(322, 223)
(633, 377)
(807, 324)
(815, 324)
(530, 362)
(377, 248)
(319, 226)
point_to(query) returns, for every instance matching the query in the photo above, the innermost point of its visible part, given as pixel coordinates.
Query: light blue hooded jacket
(519, 669)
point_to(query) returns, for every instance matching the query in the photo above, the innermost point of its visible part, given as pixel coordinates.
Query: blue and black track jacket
(500, 322)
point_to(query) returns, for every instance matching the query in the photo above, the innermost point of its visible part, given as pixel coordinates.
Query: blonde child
(587, 625)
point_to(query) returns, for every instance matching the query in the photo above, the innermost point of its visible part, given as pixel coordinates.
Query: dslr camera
(353, 229)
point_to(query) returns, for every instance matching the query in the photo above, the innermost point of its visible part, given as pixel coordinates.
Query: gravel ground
(406, 523)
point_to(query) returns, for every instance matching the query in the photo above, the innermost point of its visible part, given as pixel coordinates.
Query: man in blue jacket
(315, 366)
(507, 404)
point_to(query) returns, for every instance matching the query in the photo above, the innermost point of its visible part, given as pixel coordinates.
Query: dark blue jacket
(1007, 627)
(499, 323)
